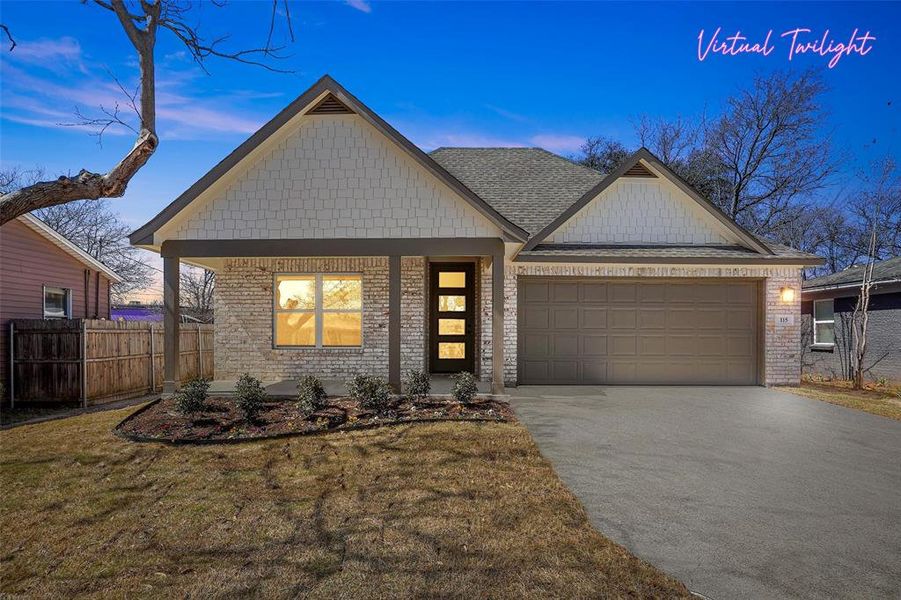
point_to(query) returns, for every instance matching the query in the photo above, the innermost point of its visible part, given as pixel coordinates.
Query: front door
(451, 317)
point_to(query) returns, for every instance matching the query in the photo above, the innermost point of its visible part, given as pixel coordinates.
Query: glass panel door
(452, 310)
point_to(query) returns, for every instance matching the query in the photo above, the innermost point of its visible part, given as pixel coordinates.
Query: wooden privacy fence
(95, 361)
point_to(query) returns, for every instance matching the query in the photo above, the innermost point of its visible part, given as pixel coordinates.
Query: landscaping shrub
(373, 393)
(465, 388)
(250, 393)
(310, 394)
(417, 384)
(191, 398)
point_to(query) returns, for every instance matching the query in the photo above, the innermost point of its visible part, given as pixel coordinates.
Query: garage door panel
(594, 292)
(594, 345)
(711, 345)
(624, 292)
(535, 291)
(594, 318)
(622, 318)
(565, 370)
(623, 345)
(536, 317)
(565, 318)
(652, 293)
(565, 292)
(565, 345)
(651, 345)
(596, 331)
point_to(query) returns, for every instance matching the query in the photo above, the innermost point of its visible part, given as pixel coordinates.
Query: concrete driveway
(738, 492)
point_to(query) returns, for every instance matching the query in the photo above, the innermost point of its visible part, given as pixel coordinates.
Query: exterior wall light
(787, 294)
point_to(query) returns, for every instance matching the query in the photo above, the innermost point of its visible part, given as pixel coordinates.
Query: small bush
(465, 388)
(417, 384)
(191, 398)
(310, 394)
(373, 393)
(250, 393)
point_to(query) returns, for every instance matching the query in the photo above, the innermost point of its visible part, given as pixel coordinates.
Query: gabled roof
(67, 246)
(883, 272)
(325, 85)
(643, 154)
(529, 186)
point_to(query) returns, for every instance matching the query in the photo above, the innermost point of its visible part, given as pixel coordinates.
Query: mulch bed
(222, 422)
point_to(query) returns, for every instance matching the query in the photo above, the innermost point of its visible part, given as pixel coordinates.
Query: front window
(319, 310)
(823, 322)
(57, 303)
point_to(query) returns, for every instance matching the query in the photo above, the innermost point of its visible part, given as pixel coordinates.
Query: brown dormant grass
(882, 400)
(452, 510)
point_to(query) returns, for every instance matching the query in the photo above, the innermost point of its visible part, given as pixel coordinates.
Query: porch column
(171, 318)
(394, 323)
(497, 323)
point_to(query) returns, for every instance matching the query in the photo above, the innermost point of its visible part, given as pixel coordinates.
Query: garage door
(601, 331)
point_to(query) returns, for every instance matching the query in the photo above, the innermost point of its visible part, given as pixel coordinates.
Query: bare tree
(876, 207)
(197, 289)
(761, 160)
(141, 21)
(601, 154)
(861, 316)
(771, 144)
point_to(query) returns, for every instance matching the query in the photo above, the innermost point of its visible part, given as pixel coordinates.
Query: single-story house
(43, 275)
(340, 247)
(827, 304)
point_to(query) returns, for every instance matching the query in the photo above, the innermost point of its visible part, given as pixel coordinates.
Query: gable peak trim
(330, 105)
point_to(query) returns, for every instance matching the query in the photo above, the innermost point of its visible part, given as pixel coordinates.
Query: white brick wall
(243, 330)
(243, 338)
(643, 211)
(782, 361)
(335, 177)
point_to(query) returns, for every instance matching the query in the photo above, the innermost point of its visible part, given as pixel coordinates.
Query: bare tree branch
(141, 29)
(12, 42)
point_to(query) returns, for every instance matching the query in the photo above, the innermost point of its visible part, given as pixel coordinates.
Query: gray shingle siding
(883, 357)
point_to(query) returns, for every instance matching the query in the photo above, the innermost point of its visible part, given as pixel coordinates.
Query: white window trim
(317, 310)
(68, 302)
(818, 322)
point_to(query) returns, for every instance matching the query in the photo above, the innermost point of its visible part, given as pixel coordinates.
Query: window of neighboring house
(57, 303)
(823, 322)
(319, 310)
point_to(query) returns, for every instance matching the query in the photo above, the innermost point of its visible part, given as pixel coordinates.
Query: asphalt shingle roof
(882, 271)
(528, 186)
(664, 251)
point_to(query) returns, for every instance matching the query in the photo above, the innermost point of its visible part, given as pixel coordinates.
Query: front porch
(397, 326)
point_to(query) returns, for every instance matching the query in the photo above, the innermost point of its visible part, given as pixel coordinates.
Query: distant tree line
(768, 162)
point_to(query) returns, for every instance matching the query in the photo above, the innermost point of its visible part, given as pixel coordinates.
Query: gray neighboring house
(340, 247)
(827, 304)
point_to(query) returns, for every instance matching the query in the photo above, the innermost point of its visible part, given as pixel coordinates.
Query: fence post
(199, 353)
(12, 364)
(84, 363)
(152, 361)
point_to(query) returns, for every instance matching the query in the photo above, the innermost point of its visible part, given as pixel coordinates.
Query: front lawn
(447, 509)
(882, 400)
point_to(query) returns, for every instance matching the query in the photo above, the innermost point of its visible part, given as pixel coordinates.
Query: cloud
(33, 97)
(507, 114)
(360, 5)
(557, 143)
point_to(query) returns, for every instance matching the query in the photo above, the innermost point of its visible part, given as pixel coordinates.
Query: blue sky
(546, 74)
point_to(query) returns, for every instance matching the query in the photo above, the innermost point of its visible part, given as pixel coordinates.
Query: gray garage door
(600, 331)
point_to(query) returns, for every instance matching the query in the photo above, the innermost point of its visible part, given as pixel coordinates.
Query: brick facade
(243, 335)
(781, 343)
